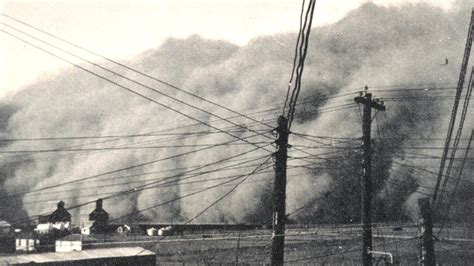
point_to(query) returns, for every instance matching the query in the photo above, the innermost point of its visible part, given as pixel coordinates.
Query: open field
(314, 245)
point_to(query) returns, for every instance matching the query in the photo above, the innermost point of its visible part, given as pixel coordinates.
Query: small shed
(152, 231)
(124, 229)
(167, 231)
(28, 244)
(86, 228)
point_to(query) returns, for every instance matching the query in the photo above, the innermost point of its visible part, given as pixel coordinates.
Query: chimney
(98, 204)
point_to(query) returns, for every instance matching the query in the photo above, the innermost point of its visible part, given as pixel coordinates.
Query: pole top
(282, 121)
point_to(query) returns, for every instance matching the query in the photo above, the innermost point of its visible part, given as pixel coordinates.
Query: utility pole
(427, 257)
(366, 181)
(279, 193)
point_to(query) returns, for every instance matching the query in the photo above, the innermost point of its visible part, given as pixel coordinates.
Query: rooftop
(76, 255)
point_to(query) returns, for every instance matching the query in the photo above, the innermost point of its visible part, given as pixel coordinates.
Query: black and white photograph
(236, 132)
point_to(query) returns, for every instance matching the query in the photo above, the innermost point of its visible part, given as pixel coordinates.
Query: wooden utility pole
(427, 257)
(366, 174)
(279, 193)
(237, 249)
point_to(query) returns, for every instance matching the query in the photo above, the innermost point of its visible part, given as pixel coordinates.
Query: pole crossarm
(369, 102)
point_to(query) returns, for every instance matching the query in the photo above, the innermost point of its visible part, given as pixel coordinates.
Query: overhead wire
(126, 78)
(450, 199)
(129, 68)
(148, 186)
(459, 131)
(115, 171)
(298, 40)
(303, 48)
(228, 192)
(465, 61)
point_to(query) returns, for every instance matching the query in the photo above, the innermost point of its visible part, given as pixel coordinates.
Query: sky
(122, 29)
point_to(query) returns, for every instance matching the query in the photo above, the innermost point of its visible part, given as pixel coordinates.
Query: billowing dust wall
(385, 48)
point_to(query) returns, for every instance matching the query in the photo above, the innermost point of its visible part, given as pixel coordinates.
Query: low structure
(167, 231)
(106, 256)
(124, 229)
(86, 228)
(69, 243)
(26, 244)
(152, 231)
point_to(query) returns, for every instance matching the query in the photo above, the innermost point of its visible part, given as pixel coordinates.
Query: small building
(69, 243)
(152, 231)
(52, 231)
(92, 257)
(124, 229)
(27, 244)
(100, 218)
(31, 242)
(86, 228)
(167, 231)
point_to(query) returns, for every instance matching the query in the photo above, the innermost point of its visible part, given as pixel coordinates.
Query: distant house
(100, 218)
(60, 214)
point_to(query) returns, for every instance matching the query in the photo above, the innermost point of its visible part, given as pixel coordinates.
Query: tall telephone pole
(279, 193)
(427, 247)
(366, 181)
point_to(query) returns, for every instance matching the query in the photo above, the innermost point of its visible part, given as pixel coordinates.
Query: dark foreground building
(100, 218)
(92, 257)
(60, 214)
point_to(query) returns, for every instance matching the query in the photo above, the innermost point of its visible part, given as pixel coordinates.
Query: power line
(133, 69)
(155, 183)
(303, 48)
(460, 128)
(465, 61)
(194, 174)
(113, 171)
(458, 179)
(300, 32)
(228, 192)
(127, 148)
(177, 198)
(129, 79)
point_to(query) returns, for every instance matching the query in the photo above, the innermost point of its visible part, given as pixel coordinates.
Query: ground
(314, 245)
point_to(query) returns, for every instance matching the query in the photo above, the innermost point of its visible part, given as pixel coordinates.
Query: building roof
(76, 255)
